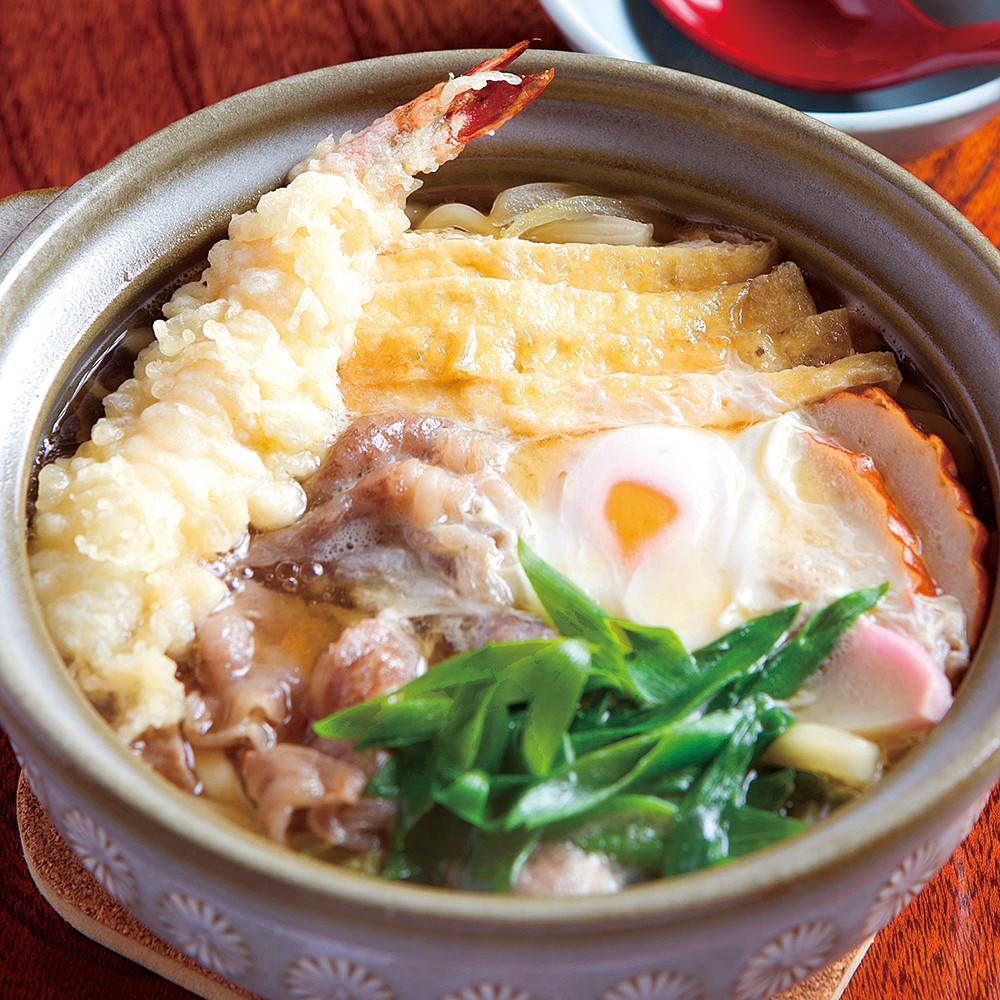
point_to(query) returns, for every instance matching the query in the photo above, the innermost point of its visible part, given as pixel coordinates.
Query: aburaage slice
(688, 265)
(539, 403)
(462, 328)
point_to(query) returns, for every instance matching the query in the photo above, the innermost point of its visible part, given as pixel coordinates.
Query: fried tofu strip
(460, 328)
(692, 265)
(539, 404)
(814, 340)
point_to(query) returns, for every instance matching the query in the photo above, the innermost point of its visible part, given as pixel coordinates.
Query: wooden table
(79, 82)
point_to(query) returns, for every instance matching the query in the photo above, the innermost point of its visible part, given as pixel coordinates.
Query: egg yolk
(636, 513)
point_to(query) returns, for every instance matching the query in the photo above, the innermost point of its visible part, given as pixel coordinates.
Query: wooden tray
(75, 895)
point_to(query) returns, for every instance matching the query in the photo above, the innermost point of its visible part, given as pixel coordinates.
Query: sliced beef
(167, 751)
(372, 658)
(508, 626)
(408, 535)
(244, 691)
(378, 439)
(287, 779)
(561, 868)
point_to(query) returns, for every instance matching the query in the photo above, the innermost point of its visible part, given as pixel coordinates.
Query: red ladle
(832, 44)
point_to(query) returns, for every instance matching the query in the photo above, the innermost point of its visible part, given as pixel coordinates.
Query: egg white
(753, 520)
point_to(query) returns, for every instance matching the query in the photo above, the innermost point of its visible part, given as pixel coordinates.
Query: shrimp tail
(497, 102)
(474, 104)
(432, 128)
(502, 59)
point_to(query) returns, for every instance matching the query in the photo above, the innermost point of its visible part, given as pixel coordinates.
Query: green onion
(622, 766)
(612, 735)
(701, 832)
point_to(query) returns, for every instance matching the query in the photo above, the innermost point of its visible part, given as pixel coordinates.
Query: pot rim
(945, 773)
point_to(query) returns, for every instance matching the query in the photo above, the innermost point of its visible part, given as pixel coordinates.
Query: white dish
(902, 121)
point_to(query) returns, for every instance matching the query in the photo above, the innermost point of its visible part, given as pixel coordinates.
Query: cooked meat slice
(286, 779)
(408, 535)
(509, 626)
(225, 647)
(168, 752)
(359, 827)
(378, 439)
(246, 686)
(255, 710)
(560, 868)
(372, 658)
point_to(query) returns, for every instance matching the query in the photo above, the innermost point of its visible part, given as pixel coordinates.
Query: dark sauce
(105, 372)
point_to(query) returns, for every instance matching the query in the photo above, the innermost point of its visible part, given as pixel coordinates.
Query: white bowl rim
(582, 33)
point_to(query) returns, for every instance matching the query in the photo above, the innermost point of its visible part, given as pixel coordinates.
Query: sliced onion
(608, 229)
(456, 215)
(515, 201)
(578, 206)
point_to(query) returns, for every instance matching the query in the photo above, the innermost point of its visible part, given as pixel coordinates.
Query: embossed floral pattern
(33, 776)
(903, 885)
(657, 986)
(202, 933)
(490, 991)
(37, 784)
(334, 979)
(786, 960)
(100, 856)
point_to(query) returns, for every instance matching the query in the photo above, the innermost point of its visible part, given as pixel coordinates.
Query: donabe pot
(287, 926)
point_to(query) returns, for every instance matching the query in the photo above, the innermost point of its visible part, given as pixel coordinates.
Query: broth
(405, 555)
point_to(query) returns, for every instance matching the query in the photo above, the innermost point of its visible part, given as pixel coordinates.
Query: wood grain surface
(81, 81)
